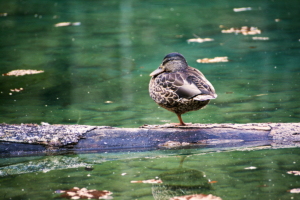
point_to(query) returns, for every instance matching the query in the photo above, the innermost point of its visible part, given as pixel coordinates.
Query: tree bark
(35, 139)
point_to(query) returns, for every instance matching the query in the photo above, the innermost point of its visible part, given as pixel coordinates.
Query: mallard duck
(178, 87)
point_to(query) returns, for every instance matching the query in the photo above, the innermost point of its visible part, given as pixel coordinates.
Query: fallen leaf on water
(22, 72)
(197, 197)
(67, 24)
(260, 38)
(252, 167)
(229, 92)
(148, 181)
(200, 40)
(213, 60)
(83, 193)
(16, 90)
(211, 182)
(296, 173)
(295, 190)
(245, 30)
(258, 95)
(63, 24)
(241, 9)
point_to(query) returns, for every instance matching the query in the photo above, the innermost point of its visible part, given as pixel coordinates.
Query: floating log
(33, 138)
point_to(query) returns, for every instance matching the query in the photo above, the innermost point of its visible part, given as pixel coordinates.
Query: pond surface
(96, 70)
(96, 57)
(247, 173)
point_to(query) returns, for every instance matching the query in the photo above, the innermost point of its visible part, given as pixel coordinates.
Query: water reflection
(255, 173)
(44, 165)
(181, 181)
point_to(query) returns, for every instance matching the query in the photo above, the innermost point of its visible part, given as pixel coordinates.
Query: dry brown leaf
(67, 24)
(148, 181)
(245, 30)
(295, 190)
(200, 40)
(22, 72)
(213, 60)
(296, 173)
(197, 197)
(83, 193)
(241, 9)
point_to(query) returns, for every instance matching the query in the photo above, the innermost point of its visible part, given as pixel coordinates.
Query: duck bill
(157, 71)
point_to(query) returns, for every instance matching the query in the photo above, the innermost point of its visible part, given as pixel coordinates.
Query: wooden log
(33, 138)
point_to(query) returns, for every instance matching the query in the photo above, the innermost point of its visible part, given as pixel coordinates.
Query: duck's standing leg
(180, 120)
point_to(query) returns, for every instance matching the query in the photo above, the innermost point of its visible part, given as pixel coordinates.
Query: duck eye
(165, 61)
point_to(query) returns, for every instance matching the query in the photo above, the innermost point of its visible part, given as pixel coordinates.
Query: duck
(179, 88)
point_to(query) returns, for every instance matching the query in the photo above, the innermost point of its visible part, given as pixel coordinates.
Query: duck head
(172, 62)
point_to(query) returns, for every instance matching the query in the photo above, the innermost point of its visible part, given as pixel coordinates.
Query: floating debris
(200, 40)
(197, 197)
(296, 173)
(245, 30)
(211, 182)
(277, 20)
(213, 60)
(229, 92)
(3, 14)
(77, 193)
(295, 190)
(123, 174)
(76, 23)
(67, 24)
(148, 181)
(241, 9)
(108, 102)
(260, 38)
(16, 90)
(258, 95)
(22, 72)
(252, 167)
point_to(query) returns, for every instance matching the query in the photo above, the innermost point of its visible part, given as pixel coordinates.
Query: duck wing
(193, 84)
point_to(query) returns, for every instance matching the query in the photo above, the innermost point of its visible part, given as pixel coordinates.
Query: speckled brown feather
(182, 90)
(163, 89)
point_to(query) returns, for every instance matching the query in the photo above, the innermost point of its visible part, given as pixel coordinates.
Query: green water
(39, 177)
(110, 55)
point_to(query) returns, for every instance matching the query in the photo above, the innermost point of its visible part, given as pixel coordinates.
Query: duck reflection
(179, 182)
